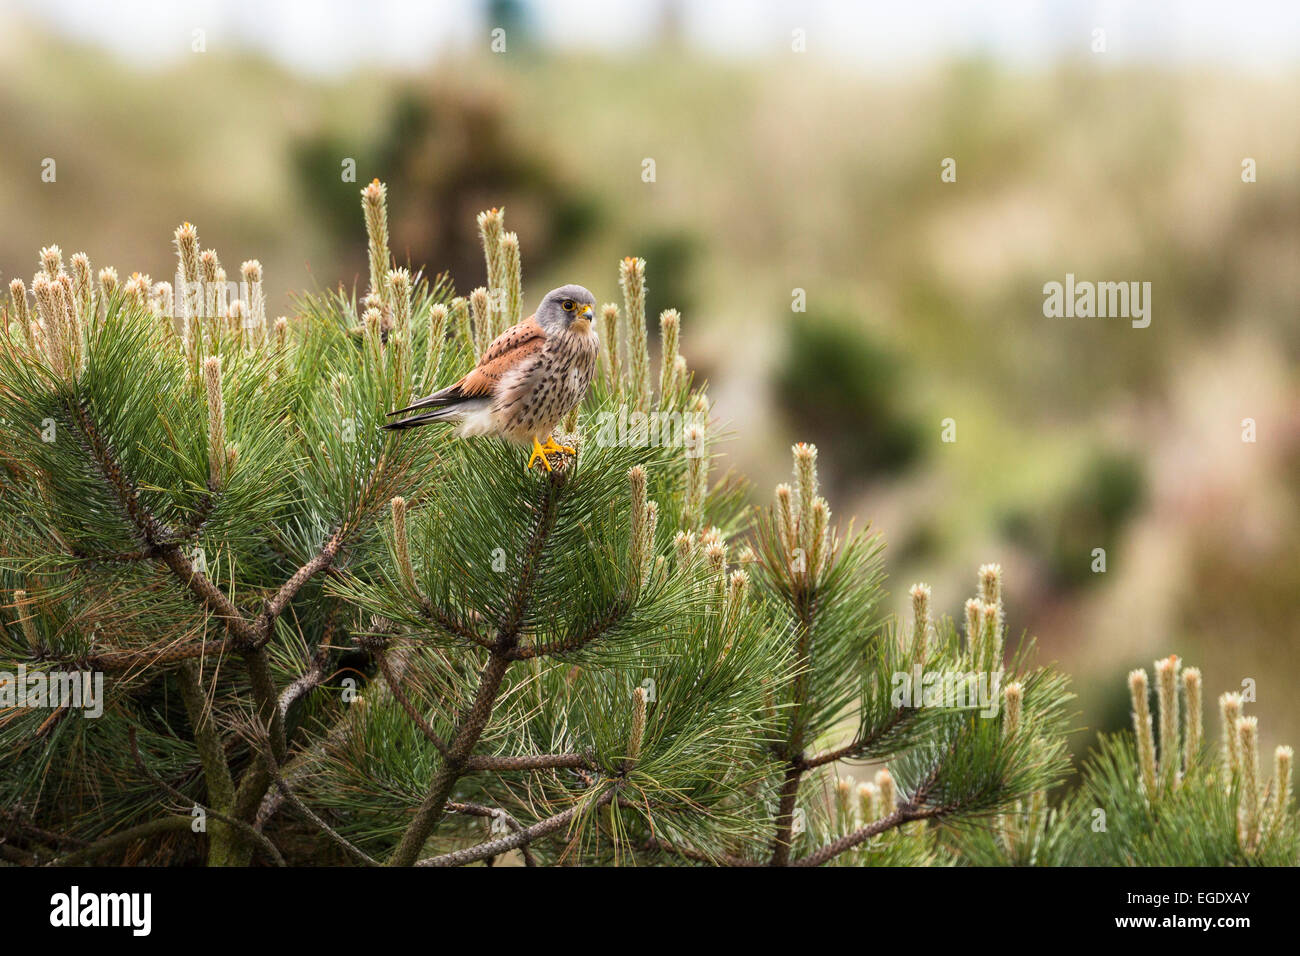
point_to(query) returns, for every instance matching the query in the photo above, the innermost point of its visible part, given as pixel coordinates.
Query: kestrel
(530, 377)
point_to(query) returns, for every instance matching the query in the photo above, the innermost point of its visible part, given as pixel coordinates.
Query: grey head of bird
(563, 307)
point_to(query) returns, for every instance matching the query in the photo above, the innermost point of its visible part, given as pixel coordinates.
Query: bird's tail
(415, 421)
(457, 413)
(446, 397)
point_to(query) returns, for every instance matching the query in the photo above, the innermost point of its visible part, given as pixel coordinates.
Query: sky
(333, 36)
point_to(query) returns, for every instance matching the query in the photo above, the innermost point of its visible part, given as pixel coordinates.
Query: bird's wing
(513, 346)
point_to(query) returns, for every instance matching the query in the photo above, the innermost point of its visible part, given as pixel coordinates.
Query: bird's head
(568, 307)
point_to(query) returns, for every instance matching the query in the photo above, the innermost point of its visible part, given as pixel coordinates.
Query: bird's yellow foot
(551, 447)
(539, 453)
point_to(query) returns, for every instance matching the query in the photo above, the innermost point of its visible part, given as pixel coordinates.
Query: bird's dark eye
(568, 305)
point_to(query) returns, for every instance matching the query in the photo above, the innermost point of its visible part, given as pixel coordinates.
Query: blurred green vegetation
(844, 391)
(447, 155)
(1090, 514)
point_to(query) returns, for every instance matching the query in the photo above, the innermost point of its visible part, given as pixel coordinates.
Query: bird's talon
(539, 453)
(552, 447)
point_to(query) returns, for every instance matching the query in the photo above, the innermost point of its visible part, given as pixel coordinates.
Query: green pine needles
(242, 624)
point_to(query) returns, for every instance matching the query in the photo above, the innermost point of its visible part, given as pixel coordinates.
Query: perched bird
(530, 377)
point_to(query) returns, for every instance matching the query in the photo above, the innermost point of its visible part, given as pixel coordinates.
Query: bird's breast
(580, 336)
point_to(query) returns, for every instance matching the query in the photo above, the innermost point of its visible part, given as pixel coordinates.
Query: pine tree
(1165, 798)
(326, 643)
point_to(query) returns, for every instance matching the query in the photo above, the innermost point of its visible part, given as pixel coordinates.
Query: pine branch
(913, 809)
(250, 636)
(781, 842)
(789, 796)
(159, 543)
(614, 615)
(272, 797)
(449, 624)
(162, 544)
(521, 838)
(266, 700)
(470, 729)
(245, 634)
(695, 856)
(471, 725)
(221, 787)
(126, 660)
(857, 748)
(395, 687)
(323, 559)
(267, 749)
(847, 842)
(260, 839)
(478, 810)
(508, 628)
(253, 785)
(306, 682)
(216, 772)
(15, 825)
(530, 762)
(122, 838)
